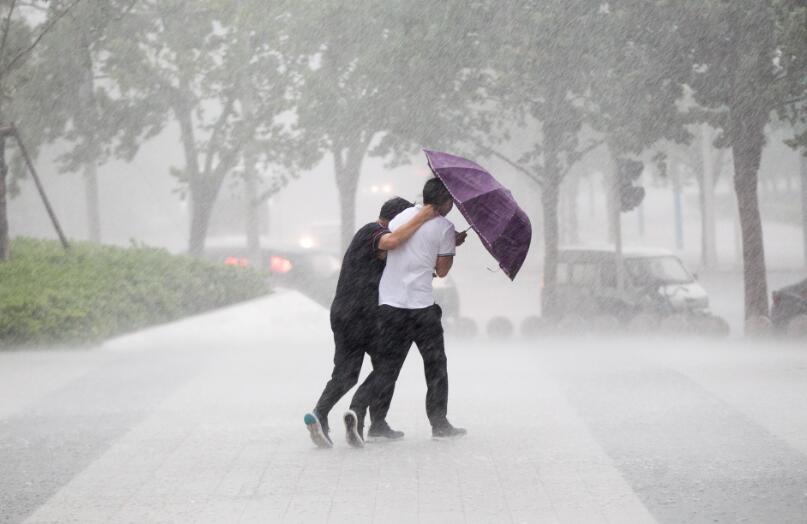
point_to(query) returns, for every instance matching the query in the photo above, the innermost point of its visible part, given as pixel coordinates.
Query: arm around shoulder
(393, 240)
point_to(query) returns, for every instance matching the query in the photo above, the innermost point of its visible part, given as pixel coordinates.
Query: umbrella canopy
(488, 207)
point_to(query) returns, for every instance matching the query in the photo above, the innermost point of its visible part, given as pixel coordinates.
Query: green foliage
(50, 296)
(383, 79)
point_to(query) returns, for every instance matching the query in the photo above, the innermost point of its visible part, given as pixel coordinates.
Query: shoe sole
(315, 431)
(351, 429)
(448, 437)
(381, 438)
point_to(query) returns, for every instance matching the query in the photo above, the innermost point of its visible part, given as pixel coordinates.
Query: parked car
(788, 303)
(655, 282)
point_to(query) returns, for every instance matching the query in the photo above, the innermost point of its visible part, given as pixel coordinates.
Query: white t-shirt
(407, 279)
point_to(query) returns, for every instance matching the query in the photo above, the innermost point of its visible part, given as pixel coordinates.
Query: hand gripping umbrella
(488, 207)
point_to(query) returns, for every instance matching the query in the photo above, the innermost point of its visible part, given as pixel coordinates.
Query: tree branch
(126, 11)
(46, 30)
(217, 127)
(589, 148)
(227, 162)
(7, 28)
(532, 176)
(794, 101)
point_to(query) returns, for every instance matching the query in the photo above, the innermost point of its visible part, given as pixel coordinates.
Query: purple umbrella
(488, 207)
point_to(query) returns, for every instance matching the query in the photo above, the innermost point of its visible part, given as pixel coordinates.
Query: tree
(19, 39)
(539, 79)
(705, 163)
(383, 80)
(803, 168)
(748, 61)
(571, 70)
(340, 106)
(198, 63)
(84, 113)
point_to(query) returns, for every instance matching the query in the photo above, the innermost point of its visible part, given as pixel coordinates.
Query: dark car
(788, 303)
(312, 272)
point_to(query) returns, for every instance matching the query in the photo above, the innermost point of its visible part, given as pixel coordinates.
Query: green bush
(91, 292)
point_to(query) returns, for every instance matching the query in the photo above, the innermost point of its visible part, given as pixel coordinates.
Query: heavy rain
(217, 303)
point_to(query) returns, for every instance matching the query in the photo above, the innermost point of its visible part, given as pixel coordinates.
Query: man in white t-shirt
(407, 313)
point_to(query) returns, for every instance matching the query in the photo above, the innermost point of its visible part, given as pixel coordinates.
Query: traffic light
(628, 172)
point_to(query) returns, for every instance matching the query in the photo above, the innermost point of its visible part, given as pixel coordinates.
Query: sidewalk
(201, 421)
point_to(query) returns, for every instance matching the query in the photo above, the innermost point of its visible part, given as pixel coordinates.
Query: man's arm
(443, 266)
(390, 241)
(445, 254)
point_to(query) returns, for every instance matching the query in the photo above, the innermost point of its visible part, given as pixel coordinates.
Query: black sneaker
(379, 430)
(318, 433)
(445, 431)
(352, 431)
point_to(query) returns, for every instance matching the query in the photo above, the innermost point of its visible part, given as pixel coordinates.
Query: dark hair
(392, 207)
(435, 192)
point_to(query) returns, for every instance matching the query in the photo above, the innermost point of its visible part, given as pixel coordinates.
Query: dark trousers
(353, 337)
(398, 329)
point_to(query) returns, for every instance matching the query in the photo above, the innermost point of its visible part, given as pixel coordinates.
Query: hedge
(91, 292)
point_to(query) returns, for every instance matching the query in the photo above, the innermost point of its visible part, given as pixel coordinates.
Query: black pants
(353, 336)
(398, 329)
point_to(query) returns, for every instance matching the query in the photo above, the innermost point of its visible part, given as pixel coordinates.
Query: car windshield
(657, 270)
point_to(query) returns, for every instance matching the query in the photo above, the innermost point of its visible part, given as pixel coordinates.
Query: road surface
(201, 421)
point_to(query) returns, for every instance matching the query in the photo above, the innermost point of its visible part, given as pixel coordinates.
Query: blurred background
(229, 129)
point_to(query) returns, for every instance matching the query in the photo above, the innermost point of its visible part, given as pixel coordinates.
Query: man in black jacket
(354, 318)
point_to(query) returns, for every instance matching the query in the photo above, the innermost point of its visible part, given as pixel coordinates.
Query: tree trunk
(4, 251)
(609, 181)
(787, 174)
(87, 122)
(707, 202)
(200, 204)
(252, 226)
(92, 202)
(803, 162)
(203, 197)
(678, 211)
(706, 199)
(747, 142)
(753, 46)
(550, 195)
(251, 212)
(572, 222)
(347, 165)
(615, 216)
(347, 183)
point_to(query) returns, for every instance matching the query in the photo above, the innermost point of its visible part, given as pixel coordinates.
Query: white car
(655, 281)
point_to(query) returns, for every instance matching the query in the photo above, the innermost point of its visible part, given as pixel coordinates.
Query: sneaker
(382, 430)
(353, 432)
(445, 431)
(319, 435)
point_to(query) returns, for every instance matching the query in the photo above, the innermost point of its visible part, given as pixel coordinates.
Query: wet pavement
(201, 421)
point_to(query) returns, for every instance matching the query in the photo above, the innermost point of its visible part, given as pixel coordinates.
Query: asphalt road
(201, 421)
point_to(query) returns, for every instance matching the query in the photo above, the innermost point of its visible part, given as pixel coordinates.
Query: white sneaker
(318, 435)
(354, 438)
